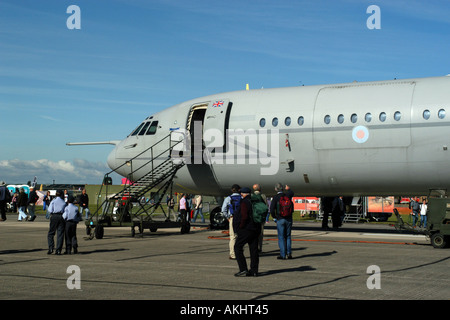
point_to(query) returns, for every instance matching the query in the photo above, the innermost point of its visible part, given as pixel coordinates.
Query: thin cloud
(50, 118)
(78, 171)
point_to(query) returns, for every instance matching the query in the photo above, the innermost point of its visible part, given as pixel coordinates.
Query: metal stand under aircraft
(129, 207)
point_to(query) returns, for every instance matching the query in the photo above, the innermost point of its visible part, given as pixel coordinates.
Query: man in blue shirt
(55, 212)
(226, 211)
(71, 217)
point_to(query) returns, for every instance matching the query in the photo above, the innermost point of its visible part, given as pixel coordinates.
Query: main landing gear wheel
(217, 220)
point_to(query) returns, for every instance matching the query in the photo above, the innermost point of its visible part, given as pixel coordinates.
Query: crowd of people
(238, 208)
(62, 212)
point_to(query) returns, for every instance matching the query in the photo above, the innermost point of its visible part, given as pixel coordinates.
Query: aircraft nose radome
(112, 159)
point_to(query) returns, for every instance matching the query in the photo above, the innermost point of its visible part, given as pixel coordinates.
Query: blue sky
(132, 58)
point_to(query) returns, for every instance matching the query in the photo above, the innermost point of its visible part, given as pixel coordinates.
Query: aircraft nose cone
(111, 161)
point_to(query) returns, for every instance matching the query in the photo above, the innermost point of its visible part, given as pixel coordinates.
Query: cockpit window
(153, 127)
(142, 132)
(135, 132)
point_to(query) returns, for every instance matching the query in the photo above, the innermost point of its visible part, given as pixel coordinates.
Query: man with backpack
(248, 231)
(281, 209)
(230, 205)
(259, 202)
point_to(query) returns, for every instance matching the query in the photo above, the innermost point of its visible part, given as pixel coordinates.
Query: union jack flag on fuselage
(217, 104)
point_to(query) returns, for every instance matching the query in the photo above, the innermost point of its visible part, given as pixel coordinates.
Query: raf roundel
(360, 134)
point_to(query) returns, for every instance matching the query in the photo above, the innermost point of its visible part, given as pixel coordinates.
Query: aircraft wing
(113, 142)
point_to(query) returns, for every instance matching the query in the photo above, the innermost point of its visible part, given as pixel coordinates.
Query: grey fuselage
(370, 138)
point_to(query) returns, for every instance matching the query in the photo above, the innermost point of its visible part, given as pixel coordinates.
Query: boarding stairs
(131, 206)
(358, 213)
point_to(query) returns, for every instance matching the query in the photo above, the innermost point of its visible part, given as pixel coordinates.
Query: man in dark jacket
(247, 233)
(32, 199)
(84, 204)
(5, 198)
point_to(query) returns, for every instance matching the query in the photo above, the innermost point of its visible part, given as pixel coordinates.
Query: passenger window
(397, 116)
(153, 127)
(262, 122)
(287, 121)
(327, 119)
(354, 118)
(300, 121)
(368, 117)
(275, 122)
(383, 117)
(441, 114)
(340, 118)
(426, 114)
(135, 132)
(142, 132)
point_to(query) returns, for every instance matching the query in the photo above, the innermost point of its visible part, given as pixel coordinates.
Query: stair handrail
(130, 161)
(149, 148)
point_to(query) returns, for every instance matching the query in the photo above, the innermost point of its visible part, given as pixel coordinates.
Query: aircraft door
(216, 124)
(207, 124)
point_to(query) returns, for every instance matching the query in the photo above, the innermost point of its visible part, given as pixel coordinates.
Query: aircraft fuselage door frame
(207, 125)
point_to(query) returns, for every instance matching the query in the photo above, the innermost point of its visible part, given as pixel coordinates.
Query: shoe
(66, 252)
(289, 256)
(281, 258)
(50, 251)
(252, 274)
(244, 273)
(75, 250)
(58, 253)
(231, 258)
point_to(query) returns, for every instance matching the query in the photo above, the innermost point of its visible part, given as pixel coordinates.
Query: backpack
(235, 204)
(285, 207)
(259, 208)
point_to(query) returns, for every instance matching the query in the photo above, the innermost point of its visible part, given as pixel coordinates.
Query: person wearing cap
(71, 217)
(55, 212)
(247, 233)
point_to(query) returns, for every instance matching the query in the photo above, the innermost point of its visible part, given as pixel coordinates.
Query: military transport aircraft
(380, 138)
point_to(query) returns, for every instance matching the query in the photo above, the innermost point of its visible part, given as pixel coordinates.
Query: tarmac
(357, 262)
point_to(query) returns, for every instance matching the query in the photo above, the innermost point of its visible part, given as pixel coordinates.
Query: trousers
(56, 225)
(249, 237)
(71, 235)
